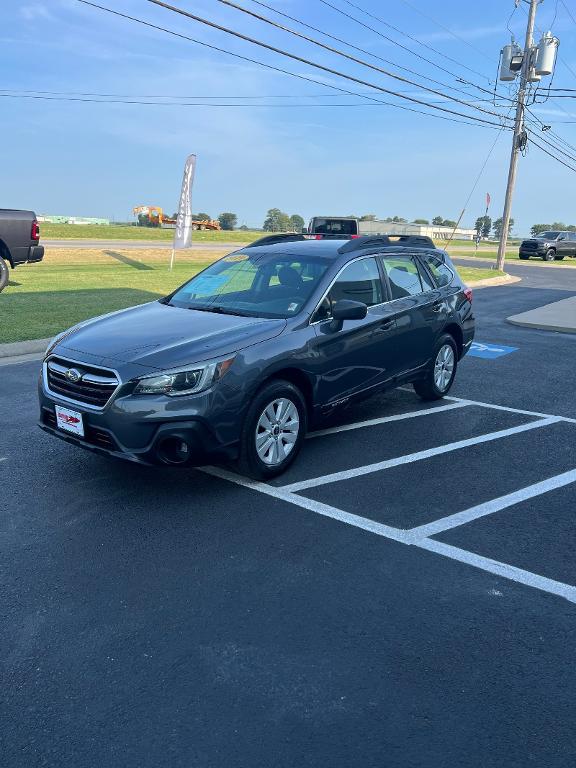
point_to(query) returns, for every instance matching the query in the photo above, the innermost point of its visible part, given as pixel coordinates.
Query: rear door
(563, 244)
(419, 310)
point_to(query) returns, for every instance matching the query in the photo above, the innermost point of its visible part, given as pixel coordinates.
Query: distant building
(407, 228)
(72, 220)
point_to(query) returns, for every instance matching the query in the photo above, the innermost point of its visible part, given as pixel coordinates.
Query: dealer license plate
(69, 421)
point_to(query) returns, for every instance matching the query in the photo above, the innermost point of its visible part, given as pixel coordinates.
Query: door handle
(384, 327)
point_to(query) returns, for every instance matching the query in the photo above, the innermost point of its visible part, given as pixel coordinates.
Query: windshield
(334, 227)
(549, 235)
(267, 285)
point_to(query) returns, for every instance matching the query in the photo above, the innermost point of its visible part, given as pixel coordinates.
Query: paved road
(171, 618)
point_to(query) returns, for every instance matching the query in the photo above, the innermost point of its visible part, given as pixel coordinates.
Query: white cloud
(35, 11)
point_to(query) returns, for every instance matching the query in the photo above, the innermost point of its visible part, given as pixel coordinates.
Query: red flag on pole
(487, 200)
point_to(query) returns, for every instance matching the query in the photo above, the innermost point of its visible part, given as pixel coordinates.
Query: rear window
(334, 227)
(441, 272)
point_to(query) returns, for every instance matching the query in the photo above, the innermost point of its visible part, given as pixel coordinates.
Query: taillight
(35, 232)
(317, 237)
(353, 237)
(468, 293)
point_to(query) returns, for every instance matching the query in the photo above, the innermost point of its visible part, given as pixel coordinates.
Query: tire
(437, 383)
(277, 402)
(3, 274)
(550, 255)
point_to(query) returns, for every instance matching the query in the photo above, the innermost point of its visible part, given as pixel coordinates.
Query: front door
(360, 355)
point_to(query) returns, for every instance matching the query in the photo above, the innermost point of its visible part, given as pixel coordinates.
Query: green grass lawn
(122, 232)
(73, 285)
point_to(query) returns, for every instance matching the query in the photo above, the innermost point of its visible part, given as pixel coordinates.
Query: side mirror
(347, 310)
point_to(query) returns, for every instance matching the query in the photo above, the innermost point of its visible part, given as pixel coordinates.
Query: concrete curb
(560, 316)
(490, 281)
(20, 348)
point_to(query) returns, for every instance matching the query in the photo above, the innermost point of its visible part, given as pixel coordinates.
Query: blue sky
(90, 159)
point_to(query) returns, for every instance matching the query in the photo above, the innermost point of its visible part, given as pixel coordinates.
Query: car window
(260, 285)
(359, 281)
(403, 275)
(441, 272)
(343, 227)
(572, 235)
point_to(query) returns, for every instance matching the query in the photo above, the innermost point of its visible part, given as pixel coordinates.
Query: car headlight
(185, 381)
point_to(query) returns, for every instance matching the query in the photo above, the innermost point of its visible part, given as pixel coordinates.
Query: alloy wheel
(277, 431)
(444, 367)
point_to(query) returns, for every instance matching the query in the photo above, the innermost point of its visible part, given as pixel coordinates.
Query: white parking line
(387, 419)
(335, 477)
(312, 506)
(503, 570)
(495, 505)
(500, 569)
(520, 411)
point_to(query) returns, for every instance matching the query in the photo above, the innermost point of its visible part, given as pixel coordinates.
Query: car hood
(159, 336)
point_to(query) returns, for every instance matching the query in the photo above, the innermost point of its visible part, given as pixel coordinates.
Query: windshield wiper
(217, 309)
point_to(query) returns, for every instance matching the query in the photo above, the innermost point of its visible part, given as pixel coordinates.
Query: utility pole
(518, 128)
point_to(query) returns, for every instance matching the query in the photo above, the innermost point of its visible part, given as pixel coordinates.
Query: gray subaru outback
(238, 363)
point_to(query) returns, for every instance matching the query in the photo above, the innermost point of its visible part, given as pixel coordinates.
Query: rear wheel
(440, 374)
(550, 255)
(273, 430)
(3, 274)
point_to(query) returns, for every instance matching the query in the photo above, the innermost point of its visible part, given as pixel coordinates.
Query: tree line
(537, 229)
(484, 225)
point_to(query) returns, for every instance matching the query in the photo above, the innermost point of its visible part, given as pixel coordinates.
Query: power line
(363, 50)
(329, 48)
(471, 119)
(303, 60)
(151, 103)
(553, 156)
(415, 40)
(449, 31)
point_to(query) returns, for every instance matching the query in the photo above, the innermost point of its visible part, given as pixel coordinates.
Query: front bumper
(162, 450)
(144, 430)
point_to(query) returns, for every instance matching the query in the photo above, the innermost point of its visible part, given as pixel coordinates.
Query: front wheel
(440, 375)
(3, 274)
(550, 255)
(273, 430)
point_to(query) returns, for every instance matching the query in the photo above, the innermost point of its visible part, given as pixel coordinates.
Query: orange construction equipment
(156, 218)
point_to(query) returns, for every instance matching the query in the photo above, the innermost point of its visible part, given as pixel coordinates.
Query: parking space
(431, 470)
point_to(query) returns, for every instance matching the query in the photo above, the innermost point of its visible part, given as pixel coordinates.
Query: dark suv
(549, 246)
(239, 361)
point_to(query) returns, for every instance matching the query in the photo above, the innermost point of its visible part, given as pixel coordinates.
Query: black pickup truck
(549, 246)
(19, 237)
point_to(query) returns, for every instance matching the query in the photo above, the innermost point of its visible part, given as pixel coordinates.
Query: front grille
(81, 383)
(97, 437)
(529, 246)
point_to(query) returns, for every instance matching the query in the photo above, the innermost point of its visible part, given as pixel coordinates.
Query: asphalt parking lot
(404, 596)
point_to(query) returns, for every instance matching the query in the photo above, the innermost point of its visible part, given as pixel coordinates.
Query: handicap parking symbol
(489, 351)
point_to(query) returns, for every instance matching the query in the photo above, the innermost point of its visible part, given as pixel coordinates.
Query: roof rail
(387, 241)
(281, 237)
